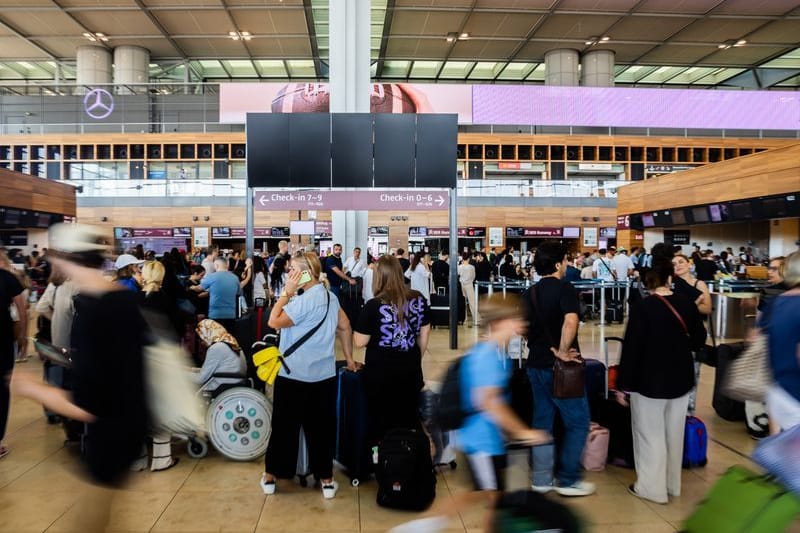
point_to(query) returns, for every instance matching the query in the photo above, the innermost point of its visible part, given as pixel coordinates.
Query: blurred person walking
(10, 296)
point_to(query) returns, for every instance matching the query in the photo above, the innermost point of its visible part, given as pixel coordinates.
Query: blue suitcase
(695, 443)
(352, 451)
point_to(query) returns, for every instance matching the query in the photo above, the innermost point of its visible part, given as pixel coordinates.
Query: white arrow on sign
(440, 200)
(263, 200)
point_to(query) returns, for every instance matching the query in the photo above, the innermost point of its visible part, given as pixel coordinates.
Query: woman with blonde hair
(394, 327)
(304, 394)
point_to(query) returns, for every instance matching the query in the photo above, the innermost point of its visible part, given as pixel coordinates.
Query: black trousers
(311, 406)
(6, 368)
(392, 389)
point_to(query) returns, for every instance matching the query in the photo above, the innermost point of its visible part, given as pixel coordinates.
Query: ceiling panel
(63, 47)
(161, 3)
(500, 24)
(212, 47)
(157, 47)
(746, 55)
(678, 6)
(288, 47)
(264, 2)
(779, 31)
(434, 3)
(474, 48)
(42, 22)
(28, 3)
(534, 51)
(718, 30)
(515, 4)
(758, 7)
(410, 48)
(19, 48)
(426, 23)
(197, 22)
(625, 53)
(647, 28)
(114, 23)
(597, 5)
(677, 54)
(266, 21)
(96, 3)
(574, 26)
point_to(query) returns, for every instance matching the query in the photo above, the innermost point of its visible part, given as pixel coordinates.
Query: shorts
(487, 471)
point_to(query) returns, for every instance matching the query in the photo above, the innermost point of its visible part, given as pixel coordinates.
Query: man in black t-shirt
(10, 289)
(706, 268)
(440, 270)
(404, 263)
(334, 270)
(553, 310)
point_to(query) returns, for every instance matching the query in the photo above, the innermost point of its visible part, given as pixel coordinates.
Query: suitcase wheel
(355, 482)
(197, 448)
(453, 465)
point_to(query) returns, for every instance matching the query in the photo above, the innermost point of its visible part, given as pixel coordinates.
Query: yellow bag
(268, 363)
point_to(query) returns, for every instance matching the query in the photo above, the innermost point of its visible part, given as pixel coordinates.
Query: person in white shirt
(601, 268)
(420, 274)
(466, 277)
(355, 266)
(366, 289)
(260, 282)
(208, 262)
(622, 265)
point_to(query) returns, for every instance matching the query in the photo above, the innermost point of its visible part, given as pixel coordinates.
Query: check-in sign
(401, 200)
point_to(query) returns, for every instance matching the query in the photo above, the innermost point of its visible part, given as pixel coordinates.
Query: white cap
(125, 260)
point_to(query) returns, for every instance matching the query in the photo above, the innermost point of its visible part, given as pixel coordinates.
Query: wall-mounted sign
(472, 231)
(184, 232)
(408, 200)
(608, 233)
(323, 228)
(663, 169)
(495, 236)
(281, 231)
(123, 233)
(14, 238)
(378, 231)
(223, 232)
(438, 232)
(200, 238)
(98, 104)
(677, 237)
(623, 221)
(590, 237)
(417, 231)
(572, 232)
(145, 233)
(597, 167)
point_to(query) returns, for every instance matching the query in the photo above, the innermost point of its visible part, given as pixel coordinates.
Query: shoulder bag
(569, 379)
(749, 375)
(269, 361)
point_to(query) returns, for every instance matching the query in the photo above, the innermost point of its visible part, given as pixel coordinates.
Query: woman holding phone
(304, 393)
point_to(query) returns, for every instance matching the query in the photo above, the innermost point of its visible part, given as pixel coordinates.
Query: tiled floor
(39, 490)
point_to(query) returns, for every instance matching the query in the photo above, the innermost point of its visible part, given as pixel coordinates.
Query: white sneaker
(329, 490)
(581, 488)
(542, 489)
(267, 486)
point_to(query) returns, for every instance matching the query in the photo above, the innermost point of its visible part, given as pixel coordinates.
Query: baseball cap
(126, 260)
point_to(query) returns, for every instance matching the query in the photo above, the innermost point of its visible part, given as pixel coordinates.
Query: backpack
(406, 479)
(449, 411)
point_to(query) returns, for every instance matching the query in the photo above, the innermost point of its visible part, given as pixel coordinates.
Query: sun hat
(126, 260)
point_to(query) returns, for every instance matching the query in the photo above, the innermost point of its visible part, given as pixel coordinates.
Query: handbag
(270, 360)
(780, 456)
(749, 375)
(569, 377)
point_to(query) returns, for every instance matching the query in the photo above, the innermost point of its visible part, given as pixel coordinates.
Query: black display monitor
(774, 207)
(636, 222)
(351, 148)
(648, 221)
(700, 215)
(792, 206)
(662, 219)
(718, 212)
(417, 231)
(741, 210)
(678, 216)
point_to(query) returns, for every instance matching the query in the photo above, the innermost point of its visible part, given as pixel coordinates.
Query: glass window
(239, 171)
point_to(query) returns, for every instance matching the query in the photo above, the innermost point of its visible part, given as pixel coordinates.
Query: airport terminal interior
(173, 131)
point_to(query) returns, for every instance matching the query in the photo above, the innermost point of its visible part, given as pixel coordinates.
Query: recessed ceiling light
(87, 34)
(464, 35)
(740, 42)
(589, 43)
(452, 37)
(605, 38)
(94, 37)
(233, 34)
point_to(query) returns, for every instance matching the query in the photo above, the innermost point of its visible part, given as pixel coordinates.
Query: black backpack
(449, 410)
(406, 479)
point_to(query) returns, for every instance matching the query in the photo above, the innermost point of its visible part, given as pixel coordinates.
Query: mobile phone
(305, 277)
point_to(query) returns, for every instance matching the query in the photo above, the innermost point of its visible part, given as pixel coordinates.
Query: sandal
(173, 463)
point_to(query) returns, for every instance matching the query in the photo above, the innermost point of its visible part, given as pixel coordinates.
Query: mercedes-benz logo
(98, 104)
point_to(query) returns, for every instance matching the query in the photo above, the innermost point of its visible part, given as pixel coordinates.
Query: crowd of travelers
(90, 307)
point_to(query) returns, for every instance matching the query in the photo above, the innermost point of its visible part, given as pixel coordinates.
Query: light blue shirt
(223, 288)
(481, 368)
(315, 359)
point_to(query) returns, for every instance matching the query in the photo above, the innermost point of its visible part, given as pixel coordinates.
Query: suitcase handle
(606, 340)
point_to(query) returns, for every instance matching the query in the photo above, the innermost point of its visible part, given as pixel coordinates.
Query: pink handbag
(595, 453)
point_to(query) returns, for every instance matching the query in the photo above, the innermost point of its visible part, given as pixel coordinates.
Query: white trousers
(469, 294)
(783, 409)
(658, 427)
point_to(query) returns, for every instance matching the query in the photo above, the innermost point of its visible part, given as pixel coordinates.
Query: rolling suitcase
(406, 479)
(440, 309)
(614, 311)
(352, 451)
(727, 408)
(609, 414)
(443, 441)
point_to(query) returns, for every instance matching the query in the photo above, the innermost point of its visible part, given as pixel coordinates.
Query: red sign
(438, 232)
(638, 237)
(323, 227)
(509, 166)
(542, 232)
(623, 222)
(405, 200)
(152, 232)
(462, 232)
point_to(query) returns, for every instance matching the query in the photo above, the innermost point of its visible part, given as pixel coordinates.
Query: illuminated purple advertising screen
(626, 107)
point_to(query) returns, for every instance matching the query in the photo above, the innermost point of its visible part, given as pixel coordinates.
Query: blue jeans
(574, 414)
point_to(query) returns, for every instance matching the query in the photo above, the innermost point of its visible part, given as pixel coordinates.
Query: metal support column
(453, 281)
(249, 240)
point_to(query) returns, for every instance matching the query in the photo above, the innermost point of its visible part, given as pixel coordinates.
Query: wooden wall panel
(23, 191)
(767, 173)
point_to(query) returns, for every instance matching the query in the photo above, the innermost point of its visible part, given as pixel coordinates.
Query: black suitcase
(727, 408)
(406, 479)
(440, 309)
(521, 392)
(352, 451)
(614, 311)
(610, 414)
(351, 300)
